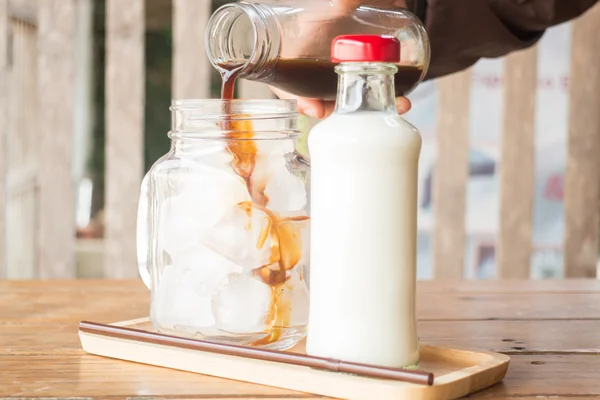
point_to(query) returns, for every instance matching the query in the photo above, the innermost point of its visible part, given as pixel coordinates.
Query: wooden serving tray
(457, 372)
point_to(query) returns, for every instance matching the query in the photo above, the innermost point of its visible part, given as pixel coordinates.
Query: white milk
(363, 239)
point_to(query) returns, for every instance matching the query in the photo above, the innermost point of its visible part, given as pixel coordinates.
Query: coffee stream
(285, 235)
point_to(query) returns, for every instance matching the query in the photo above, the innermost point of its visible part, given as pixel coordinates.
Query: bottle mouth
(237, 37)
(366, 68)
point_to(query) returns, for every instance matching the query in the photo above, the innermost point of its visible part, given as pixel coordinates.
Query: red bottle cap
(365, 48)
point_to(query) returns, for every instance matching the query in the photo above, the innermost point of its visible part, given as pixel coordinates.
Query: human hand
(321, 109)
(313, 33)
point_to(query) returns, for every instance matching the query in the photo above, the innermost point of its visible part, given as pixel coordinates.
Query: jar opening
(209, 119)
(233, 135)
(256, 108)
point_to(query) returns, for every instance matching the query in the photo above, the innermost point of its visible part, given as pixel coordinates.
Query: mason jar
(223, 230)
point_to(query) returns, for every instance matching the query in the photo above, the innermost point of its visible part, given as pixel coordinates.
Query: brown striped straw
(328, 364)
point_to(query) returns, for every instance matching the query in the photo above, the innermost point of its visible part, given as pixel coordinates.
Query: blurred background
(59, 152)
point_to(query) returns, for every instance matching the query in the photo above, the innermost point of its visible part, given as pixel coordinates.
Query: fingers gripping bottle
(364, 161)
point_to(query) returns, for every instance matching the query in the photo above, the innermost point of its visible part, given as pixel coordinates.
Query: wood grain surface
(551, 329)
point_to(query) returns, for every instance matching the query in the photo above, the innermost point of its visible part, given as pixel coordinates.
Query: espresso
(317, 79)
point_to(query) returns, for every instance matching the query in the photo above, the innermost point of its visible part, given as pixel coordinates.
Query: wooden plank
(56, 33)
(517, 166)
(40, 305)
(548, 375)
(30, 337)
(516, 306)
(514, 337)
(582, 182)
(22, 154)
(191, 68)
(534, 397)
(444, 319)
(23, 10)
(23, 141)
(29, 376)
(37, 332)
(509, 286)
(4, 27)
(124, 132)
(451, 304)
(450, 176)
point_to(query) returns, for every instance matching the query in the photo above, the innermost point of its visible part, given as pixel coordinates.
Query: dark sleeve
(463, 31)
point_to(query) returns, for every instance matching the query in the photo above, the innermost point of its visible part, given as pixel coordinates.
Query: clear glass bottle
(287, 43)
(364, 165)
(223, 225)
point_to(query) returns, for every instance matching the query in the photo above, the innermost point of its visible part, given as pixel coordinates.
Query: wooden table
(551, 329)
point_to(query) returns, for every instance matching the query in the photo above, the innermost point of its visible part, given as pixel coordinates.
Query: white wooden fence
(37, 67)
(21, 150)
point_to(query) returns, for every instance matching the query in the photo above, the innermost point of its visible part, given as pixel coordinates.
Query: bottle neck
(365, 87)
(243, 37)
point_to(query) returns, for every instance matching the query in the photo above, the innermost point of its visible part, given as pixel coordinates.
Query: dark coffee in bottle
(317, 79)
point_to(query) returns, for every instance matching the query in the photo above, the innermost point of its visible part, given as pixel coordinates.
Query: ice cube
(203, 199)
(183, 295)
(294, 294)
(292, 233)
(285, 190)
(274, 148)
(242, 304)
(243, 235)
(290, 251)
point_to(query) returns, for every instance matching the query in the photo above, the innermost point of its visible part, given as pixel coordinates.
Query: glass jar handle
(299, 164)
(143, 233)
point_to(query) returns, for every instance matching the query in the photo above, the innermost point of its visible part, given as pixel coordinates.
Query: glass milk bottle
(364, 161)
